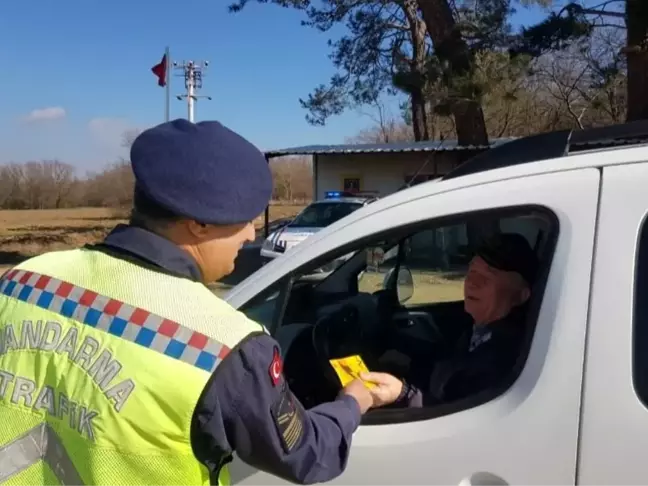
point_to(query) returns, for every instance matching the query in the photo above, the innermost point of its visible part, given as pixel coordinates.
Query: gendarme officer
(119, 366)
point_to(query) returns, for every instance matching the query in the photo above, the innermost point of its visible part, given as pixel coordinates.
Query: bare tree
(11, 179)
(60, 179)
(34, 184)
(391, 132)
(587, 81)
(40, 185)
(385, 128)
(608, 92)
(292, 178)
(565, 80)
(113, 187)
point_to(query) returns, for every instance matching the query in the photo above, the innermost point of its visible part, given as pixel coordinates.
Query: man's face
(216, 248)
(490, 293)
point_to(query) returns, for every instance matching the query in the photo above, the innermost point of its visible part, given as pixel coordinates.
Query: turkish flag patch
(276, 367)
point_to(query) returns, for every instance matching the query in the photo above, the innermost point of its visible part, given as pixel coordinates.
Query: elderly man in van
(496, 291)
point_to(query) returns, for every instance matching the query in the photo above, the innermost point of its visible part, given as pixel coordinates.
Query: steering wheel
(342, 327)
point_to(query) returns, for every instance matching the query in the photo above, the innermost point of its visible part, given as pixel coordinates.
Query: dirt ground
(27, 233)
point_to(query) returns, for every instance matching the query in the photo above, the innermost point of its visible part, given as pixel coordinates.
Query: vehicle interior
(395, 299)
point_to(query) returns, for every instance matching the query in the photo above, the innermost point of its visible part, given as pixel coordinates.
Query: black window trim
(640, 314)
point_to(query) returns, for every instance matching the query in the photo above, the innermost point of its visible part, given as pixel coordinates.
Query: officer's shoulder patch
(289, 419)
(276, 367)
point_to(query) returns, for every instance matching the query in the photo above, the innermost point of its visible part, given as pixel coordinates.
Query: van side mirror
(404, 283)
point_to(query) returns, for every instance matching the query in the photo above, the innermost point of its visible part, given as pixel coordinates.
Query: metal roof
(371, 148)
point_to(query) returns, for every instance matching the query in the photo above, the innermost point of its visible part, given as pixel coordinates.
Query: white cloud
(44, 114)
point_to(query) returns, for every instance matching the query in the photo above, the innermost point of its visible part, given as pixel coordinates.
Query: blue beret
(203, 171)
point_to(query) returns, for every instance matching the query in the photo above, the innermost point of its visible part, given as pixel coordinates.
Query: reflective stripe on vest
(114, 317)
(106, 361)
(40, 443)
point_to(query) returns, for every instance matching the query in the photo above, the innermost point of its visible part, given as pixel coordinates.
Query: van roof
(553, 145)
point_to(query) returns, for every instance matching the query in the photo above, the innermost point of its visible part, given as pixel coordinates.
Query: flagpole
(167, 104)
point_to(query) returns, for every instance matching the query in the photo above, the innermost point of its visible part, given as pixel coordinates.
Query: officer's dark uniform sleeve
(248, 408)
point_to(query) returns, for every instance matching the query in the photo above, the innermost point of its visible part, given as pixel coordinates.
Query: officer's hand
(358, 390)
(387, 389)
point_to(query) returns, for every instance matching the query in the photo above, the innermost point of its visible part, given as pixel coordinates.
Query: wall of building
(381, 172)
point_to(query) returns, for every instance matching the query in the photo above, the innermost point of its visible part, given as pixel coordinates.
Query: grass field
(27, 233)
(428, 287)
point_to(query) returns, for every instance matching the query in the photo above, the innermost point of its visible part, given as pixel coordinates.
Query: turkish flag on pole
(160, 70)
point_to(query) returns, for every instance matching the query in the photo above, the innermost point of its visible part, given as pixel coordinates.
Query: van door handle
(483, 479)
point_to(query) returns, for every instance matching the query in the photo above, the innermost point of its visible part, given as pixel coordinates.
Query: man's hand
(358, 390)
(388, 388)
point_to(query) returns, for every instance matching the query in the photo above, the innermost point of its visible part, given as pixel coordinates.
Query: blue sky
(77, 74)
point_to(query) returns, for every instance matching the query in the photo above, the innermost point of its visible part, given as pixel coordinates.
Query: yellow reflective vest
(101, 365)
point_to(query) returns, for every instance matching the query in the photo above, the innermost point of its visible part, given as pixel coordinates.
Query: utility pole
(193, 76)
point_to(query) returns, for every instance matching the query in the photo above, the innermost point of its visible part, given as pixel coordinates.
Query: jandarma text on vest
(89, 354)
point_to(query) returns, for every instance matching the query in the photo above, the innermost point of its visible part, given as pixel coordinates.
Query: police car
(318, 215)
(572, 409)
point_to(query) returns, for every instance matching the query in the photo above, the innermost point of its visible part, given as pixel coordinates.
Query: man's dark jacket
(467, 372)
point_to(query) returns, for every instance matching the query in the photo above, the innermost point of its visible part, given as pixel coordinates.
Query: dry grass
(429, 287)
(28, 233)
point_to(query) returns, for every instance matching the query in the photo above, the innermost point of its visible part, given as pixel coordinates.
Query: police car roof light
(338, 194)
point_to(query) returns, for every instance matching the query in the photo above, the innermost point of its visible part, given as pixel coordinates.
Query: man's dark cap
(203, 171)
(510, 252)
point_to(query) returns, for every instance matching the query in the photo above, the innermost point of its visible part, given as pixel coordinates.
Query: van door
(528, 433)
(613, 439)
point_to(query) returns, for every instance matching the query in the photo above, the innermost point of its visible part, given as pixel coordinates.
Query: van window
(408, 300)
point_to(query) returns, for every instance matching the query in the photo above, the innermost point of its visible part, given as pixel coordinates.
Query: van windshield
(322, 214)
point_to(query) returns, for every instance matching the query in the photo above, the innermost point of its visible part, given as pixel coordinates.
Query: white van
(575, 408)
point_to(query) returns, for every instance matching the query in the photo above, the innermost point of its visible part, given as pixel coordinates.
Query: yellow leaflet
(349, 368)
